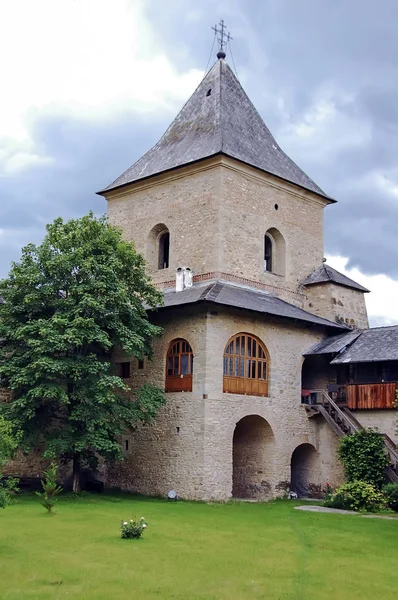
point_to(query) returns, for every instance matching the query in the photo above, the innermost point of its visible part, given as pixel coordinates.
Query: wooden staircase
(343, 422)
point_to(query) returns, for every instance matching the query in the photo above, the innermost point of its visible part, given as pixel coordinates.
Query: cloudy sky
(90, 85)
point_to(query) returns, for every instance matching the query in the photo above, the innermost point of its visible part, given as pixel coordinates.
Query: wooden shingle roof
(218, 118)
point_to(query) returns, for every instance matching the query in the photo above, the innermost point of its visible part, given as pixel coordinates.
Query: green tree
(363, 456)
(8, 445)
(66, 305)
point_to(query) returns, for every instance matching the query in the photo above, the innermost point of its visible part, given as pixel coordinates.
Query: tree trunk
(76, 483)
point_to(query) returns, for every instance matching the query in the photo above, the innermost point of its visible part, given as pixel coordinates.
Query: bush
(8, 488)
(358, 496)
(8, 445)
(133, 528)
(50, 488)
(391, 493)
(363, 456)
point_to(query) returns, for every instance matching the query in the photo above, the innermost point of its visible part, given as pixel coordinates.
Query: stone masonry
(189, 447)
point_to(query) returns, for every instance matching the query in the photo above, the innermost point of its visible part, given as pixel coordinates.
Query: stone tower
(216, 197)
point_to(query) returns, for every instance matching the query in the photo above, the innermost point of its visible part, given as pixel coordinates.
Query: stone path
(337, 511)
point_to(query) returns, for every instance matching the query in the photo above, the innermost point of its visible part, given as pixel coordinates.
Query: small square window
(141, 364)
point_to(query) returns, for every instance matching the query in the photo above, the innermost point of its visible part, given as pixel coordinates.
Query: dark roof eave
(198, 160)
(284, 318)
(351, 287)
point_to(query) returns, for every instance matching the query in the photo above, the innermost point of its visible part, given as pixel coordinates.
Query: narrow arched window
(179, 364)
(246, 365)
(164, 250)
(158, 247)
(267, 253)
(274, 252)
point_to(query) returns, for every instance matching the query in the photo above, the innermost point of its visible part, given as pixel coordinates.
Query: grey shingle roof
(334, 344)
(380, 343)
(227, 294)
(218, 118)
(326, 274)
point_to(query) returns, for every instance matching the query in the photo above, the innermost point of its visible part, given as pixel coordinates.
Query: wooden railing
(371, 395)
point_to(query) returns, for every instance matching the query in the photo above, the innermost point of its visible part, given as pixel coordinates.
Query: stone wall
(386, 421)
(254, 203)
(187, 202)
(338, 303)
(189, 447)
(217, 212)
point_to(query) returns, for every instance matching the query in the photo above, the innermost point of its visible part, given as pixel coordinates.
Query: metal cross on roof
(223, 38)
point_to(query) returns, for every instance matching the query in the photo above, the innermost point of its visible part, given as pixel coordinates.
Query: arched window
(164, 250)
(274, 252)
(246, 364)
(179, 365)
(267, 253)
(158, 247)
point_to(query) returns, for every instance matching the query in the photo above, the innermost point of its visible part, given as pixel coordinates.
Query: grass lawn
(193, 550)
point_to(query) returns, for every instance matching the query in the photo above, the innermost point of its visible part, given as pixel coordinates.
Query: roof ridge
(218, 118)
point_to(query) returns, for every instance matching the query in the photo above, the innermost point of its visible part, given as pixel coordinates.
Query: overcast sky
(89, 85)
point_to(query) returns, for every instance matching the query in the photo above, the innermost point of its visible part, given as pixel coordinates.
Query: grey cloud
(285, 52)
(86, 157)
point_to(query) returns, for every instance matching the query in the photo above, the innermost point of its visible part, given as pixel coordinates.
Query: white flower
(125, 523)
(144, 526)
(142, 519)
(131, 520)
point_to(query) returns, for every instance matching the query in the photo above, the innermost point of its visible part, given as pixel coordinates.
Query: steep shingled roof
(379, 343)
(334, 344)
(218, 118)
(227, 294)
(362, 345)
(326, 274)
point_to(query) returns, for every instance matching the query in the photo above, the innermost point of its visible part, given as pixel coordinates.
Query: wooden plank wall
(371, 395)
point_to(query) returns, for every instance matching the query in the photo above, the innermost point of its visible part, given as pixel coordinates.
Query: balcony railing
(371, 395)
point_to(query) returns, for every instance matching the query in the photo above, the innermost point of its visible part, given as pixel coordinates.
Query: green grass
(192, 550)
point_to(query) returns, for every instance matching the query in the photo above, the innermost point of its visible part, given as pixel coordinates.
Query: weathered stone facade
(338, 303)
(217, 212)
(190, 446)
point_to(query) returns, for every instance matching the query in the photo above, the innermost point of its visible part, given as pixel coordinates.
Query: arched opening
(158, 247)
(179, 367)
(274, 252)
(305, 470)
(246, 366)
(252, 456)
(164, 250)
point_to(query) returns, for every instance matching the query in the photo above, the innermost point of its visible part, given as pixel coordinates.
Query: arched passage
(252, 458)
(305, 470)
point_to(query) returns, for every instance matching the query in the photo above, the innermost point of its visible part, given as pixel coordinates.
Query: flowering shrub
(359, 496)
(133, 528)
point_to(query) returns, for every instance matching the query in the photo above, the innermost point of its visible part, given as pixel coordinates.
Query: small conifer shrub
(50, 488)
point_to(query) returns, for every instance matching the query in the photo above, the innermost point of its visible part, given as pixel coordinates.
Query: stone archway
(252, 458)
(305, 470)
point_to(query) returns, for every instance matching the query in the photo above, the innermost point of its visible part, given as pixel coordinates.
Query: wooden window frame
(176, 380)
(245, 366)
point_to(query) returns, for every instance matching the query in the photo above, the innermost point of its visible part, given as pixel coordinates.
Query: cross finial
(223, 38)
